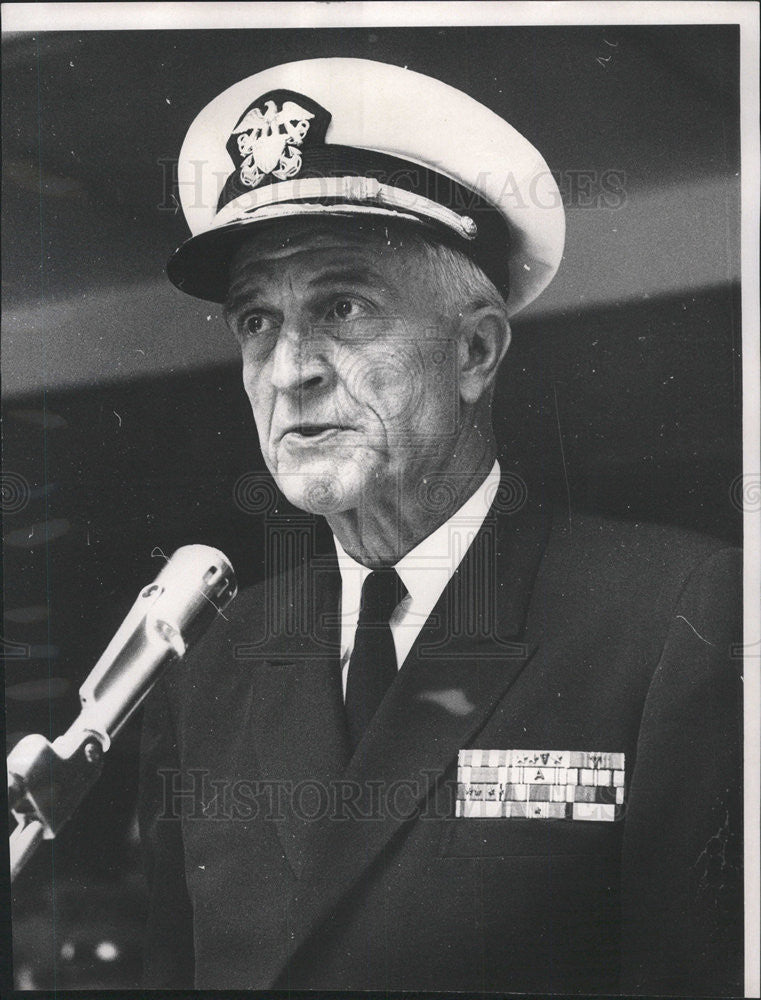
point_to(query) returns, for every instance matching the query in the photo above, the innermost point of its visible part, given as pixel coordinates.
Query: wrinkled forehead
(319, 243)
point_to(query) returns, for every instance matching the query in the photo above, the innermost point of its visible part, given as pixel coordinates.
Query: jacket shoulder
(625, 581)
(620, 548)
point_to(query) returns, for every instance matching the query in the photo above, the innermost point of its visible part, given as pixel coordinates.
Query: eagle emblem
(269, 141)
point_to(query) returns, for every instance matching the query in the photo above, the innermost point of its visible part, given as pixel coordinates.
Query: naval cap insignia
(269, 141)
(266, 144)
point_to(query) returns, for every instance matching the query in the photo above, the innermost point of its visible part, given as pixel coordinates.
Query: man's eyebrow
(237, 300)
(349, 272)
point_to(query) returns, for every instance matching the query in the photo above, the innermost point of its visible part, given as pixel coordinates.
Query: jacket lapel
(298, 715)
(465, 659)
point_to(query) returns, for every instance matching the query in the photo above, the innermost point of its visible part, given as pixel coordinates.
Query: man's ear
(484, 336)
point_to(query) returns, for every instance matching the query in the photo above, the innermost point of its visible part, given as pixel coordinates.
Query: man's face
(351, 375)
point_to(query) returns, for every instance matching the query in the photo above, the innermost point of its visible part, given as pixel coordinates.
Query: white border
(369, 13)
(18, 17)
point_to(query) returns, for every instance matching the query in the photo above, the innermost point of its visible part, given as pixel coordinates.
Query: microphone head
(198, 583)
(192, 589)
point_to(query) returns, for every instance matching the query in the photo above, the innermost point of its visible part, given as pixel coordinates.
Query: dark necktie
(372, 666)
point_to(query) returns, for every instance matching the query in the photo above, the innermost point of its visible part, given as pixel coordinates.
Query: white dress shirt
(425, 571)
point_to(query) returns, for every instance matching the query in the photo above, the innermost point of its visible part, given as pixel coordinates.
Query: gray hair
(456, 280)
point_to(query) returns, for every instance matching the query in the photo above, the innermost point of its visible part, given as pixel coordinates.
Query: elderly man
(478, 746)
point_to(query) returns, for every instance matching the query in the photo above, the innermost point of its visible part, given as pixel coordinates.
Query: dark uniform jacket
(276, 860)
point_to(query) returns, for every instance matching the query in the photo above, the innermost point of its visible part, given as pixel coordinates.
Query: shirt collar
(427, 569)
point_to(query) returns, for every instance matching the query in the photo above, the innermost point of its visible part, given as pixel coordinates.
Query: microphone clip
(46, 784)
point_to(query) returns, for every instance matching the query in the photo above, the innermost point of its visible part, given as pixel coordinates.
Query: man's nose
(299, 360)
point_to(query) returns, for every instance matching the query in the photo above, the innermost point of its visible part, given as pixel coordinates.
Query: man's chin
(322, 485)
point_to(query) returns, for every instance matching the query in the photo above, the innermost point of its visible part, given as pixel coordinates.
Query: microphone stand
(47, 781)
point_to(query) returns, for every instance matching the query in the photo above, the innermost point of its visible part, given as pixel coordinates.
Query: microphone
(46, 782)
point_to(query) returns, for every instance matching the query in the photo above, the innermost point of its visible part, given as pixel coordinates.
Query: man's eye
(345, 309)
(256, 324)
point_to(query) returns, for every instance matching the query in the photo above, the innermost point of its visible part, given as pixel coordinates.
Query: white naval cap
(357, 138)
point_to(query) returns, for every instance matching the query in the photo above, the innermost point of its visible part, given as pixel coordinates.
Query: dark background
(125, 424)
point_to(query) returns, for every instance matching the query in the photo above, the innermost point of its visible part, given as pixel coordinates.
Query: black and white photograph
(381, 498)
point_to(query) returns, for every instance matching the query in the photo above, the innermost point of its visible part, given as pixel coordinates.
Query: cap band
(347, 190)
